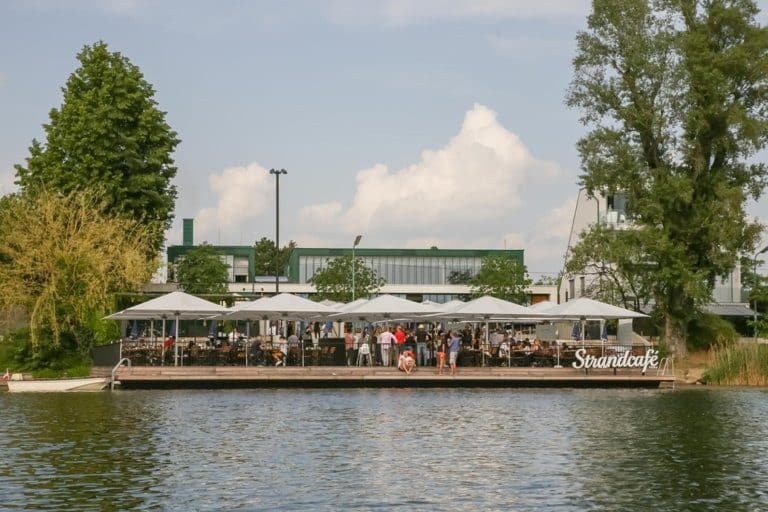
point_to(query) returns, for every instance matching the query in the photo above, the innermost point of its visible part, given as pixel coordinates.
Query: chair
(364, 353)
(330, 355)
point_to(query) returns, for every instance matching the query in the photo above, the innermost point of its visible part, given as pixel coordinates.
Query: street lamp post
(277, 173)
(754, 302)
(354, 244)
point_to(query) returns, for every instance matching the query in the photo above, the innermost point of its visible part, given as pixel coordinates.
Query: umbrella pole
(247, 340)
(176, 344)
(486, 341)
(162, 350)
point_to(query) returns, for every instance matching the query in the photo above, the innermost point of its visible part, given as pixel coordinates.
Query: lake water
(695, 449)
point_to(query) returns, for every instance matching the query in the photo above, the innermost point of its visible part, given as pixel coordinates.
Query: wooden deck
(208, 377)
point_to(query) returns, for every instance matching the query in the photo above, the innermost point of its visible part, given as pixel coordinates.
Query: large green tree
(108, 132)
(264, 258)
(334, 281)
(674, 96)
(501, 277)
(202, 271)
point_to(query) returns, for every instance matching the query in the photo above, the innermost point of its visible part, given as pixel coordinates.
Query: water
(697, 449)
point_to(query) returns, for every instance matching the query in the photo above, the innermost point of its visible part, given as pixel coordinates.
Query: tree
(501, 277)
(674, 96)
(618, 270)
(265, 256)
(548, 280)
(108, 131)
(202, 271)
(61, 261)
(334, 281)
(459, 277)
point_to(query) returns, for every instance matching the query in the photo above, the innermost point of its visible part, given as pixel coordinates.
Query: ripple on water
(385, 449)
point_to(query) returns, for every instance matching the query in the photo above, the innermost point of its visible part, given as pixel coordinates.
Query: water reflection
(377, 449)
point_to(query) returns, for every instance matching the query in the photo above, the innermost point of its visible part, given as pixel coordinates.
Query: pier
(213, 377)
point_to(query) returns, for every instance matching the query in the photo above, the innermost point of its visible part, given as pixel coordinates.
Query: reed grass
(740, 364)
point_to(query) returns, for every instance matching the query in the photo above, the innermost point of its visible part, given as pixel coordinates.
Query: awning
(733, 309)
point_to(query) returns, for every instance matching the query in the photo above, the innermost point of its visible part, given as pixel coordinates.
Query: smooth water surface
(697, 449)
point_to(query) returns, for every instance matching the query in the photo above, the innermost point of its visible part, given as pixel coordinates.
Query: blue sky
(414, 123)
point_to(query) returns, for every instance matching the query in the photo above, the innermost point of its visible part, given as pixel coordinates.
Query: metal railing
(114, 371)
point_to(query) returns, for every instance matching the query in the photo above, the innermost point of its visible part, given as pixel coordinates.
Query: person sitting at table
(256, 353)
(504, 349)
(407, 361)
(281, 353)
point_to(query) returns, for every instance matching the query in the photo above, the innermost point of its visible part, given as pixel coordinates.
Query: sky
(414, 123)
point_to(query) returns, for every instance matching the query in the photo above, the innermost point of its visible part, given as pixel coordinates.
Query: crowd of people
(408, 348)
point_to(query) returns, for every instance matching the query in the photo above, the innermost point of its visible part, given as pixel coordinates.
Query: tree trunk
(675, 337)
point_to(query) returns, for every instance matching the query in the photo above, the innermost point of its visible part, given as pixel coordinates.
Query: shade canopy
(386, 307)
(489, 308)
(453, 305)
(172, 305)
(284, 306)
(542, 306)
(584, 307)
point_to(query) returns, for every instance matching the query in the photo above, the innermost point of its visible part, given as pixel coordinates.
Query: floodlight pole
(277, 173)
(754, 302)
(354, 244)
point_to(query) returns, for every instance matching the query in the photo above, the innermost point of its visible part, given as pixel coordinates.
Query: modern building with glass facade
(432, 274)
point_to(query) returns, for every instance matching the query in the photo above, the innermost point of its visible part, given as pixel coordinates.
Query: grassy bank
(12, 349)
(741, 364)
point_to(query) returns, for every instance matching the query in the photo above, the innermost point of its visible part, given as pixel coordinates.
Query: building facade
(438, 275)
(611, 210)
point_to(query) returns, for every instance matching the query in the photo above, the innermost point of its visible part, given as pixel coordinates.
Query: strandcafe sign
(625, 360)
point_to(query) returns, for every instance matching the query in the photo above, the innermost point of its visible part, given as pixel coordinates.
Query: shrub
(708, 330)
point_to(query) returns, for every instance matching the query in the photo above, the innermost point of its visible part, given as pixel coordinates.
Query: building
(610, 210)
(417, 274)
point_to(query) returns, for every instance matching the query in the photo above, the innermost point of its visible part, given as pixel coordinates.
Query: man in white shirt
(386, 340)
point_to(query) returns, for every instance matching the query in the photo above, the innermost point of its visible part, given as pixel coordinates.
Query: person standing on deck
(400, 338)
(453, 352)
(422, 338)
(386, 340)
(349, 345)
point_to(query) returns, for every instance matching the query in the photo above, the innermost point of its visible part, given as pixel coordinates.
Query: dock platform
(211, 377)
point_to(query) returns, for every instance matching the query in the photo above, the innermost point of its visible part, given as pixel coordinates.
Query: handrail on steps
(114, 371)
(666, 364)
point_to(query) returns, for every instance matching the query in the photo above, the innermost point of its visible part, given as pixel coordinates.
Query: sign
(625, 360)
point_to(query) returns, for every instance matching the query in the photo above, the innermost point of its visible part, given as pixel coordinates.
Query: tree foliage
(265, 256)
(108, 131)
(502, 277)
(614, 264)
(674, 95)
(61, 261)
(202, 271)
(459, 277)
(334, 281)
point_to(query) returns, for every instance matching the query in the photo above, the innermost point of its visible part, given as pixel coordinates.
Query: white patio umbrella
(176, 305)
(489, 308)
(284, 306)
(542, 306)
(584, 308)
(385, 307)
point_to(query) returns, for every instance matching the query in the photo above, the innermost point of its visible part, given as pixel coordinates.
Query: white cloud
(403, 12)
(482, 189)
(243, 195)
(470, 184)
